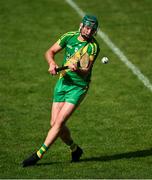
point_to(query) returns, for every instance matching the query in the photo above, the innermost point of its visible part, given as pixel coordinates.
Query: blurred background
(113, 124)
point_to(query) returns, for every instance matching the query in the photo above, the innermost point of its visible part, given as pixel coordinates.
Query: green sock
(42, 150)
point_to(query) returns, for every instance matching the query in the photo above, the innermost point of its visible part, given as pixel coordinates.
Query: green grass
(113, 124)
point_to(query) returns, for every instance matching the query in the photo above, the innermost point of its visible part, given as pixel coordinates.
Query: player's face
(87, 32)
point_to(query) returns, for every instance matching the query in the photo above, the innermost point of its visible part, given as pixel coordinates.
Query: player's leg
(65, 133)
(56, 107)
(61, 112)
(66, 110)
(60, 95)
(75, 96)
(53, 133)
(76, 151)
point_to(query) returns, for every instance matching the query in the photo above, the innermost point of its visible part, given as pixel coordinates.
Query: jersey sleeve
(93, 51)
(62, 41)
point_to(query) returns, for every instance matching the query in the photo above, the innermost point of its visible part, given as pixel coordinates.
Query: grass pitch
(113, 124)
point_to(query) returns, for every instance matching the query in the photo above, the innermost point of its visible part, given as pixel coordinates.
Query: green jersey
(72, 45)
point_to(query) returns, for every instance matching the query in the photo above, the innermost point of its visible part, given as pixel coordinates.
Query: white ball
(104, 60)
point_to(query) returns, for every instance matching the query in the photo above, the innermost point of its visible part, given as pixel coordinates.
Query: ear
(80, 26)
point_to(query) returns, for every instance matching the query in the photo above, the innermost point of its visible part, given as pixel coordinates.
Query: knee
(59, 124)
(56, 123)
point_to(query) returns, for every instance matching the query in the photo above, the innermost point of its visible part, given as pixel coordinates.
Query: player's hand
(52, 68)
(73, 66)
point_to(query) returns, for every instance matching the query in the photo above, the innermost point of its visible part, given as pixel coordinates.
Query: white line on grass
(115, 49)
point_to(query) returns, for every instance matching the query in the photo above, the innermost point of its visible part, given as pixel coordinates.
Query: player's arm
(49, 55)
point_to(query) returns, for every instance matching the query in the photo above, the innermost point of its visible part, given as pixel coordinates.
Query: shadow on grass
(128, 155)
(46, 164)
(50, 163)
